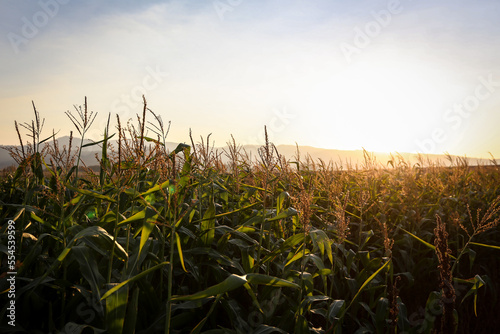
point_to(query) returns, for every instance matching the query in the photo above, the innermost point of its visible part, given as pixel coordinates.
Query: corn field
(198, 240)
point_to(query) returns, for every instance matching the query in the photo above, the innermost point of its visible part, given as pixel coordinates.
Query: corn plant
(201, 240)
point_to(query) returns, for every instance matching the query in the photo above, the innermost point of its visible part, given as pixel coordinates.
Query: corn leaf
(363, 286)
(298, 255)
(130, 280)
(116, 307)
(88, 268)
(229, 284)
(234, 282)
(290, 212)
(485, 245)
(91, 193)
(425, 242)
(207, 225)
(99, 142)
(270, 281)
(149, 214)
(132, 310)
(147, 228)
(179, 250)
(155, 188)
(200, 325)
(477, 283)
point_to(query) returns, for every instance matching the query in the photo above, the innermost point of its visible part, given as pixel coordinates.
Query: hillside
(352, 158)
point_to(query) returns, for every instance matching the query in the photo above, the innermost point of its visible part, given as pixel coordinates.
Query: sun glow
(381, 106)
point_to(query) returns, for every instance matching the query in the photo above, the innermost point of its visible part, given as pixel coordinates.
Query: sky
(388, 76)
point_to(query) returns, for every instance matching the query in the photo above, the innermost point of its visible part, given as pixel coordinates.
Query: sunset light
(384, 76)
(249, 166)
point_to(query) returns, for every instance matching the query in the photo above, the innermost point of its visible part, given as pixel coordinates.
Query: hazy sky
(408, 76)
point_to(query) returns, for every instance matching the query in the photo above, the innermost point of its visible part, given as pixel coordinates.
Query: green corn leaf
(200, 325)
(253, 296)
(91, 193)
(334, 309)
(316, 260)
(281, 200)
(75, 200)
(381, 314)
(155, 188)
(99, 239)
(485, 245)
(35, 252)
(180, 148)
(293, 241)
(148, 214)
(43, 141)
(297, 256)
(290, 212)
(41, 221)
(253, 187)
(238, 210)
(147, 228)
(472, 258)
(92, 231)
(130, 280)
(366, 235)
(425, 242)
(132, 310)
(368, 280)
(270, 281)
(98, 142)
(207, 225)
(322, 242)
(70, 172)
(20, 169)
(71, 215)
(179, 250)
(61, 257)
(116, 308)
(88, 268)
(229, 284)
(88, 232)
(36, 165)
(477, 283)
(247, 261)
(234, 282)
(108, 217)
(152, 140)
(301, 324)
(421, 240)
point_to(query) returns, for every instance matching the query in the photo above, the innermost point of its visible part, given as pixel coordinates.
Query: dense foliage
(201, 241)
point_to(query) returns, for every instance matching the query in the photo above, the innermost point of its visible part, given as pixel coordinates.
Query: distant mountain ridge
(352, 158)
